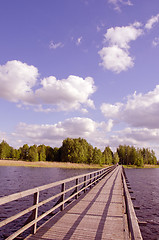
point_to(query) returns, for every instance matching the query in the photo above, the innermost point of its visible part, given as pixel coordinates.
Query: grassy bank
(48, 164)
(145, 166)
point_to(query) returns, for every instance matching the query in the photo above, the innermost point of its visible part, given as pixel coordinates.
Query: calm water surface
(145, 184)
(17, 179)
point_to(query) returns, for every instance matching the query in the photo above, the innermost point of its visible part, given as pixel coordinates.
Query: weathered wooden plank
(35, 212)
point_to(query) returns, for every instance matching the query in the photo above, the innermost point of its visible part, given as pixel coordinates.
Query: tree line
(78, 150)
(132, 156)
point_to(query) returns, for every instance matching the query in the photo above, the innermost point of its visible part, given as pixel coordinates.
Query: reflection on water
(145, 184)
(17, 179)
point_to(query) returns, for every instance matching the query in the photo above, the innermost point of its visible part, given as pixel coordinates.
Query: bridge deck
(99, 214)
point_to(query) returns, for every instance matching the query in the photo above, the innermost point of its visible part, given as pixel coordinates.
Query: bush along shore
(76, 150)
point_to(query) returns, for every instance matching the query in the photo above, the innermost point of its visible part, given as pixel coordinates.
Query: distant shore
(145, 166)
(48, 164)
(62, 164)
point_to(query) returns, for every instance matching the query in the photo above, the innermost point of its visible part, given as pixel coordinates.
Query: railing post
(94, 178)
(85, 178)
(35, 211)
(97, 177)
(102, 173)
(77, 181)
(90, 180)
(63, 196)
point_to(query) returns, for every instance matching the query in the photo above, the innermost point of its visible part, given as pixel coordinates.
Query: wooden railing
(82, 183)
(134, 230)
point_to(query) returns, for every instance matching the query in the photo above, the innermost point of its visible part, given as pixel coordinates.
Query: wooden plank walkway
(99, 214)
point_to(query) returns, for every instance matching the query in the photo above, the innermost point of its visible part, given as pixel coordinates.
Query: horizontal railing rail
(134, 229)
(87, 181)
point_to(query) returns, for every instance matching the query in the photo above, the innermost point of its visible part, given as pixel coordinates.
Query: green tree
(49, 154)
(33, 154)
(4, 150)
(42, 152)
(139, 158)
(12, 153)
(132, 156)
(76, 150)
(153, 157)
(127, 155)
(83, 153)
(66, 150)
(115, 158)
(149, 156)
(56, 154)
(17, 153)
(108, 156)
(24, 152)
(97, 156)
(90, 154)
(72, 150)
(122, 153)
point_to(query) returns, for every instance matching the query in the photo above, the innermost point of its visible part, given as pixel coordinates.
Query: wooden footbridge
(98, 206)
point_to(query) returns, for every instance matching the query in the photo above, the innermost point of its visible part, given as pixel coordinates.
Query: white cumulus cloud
(111, 110)
(140, 110)
(115, 59)
(116, 56)
(66, 94)
(17, 80)
(150, 23)
(20, 83)
(121, 36)
(54, 134)
(138, 137)
(96, 133)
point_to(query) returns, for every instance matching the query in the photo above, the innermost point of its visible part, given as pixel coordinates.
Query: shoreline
(145, 166)
(15, 163)
(20, 163)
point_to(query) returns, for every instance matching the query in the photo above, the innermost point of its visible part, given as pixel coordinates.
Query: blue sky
(83, 68)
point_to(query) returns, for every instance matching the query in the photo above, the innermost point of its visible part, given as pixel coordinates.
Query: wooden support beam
(77, 181)
(142, 223)
(136, 207)
(62, 196)
(85, 179)
(35, 211)
(133, 198)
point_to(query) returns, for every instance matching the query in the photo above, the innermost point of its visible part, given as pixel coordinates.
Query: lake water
(17, 179)
(145, 184)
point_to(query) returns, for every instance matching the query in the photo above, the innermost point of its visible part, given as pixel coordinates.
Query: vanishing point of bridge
(97, 211)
